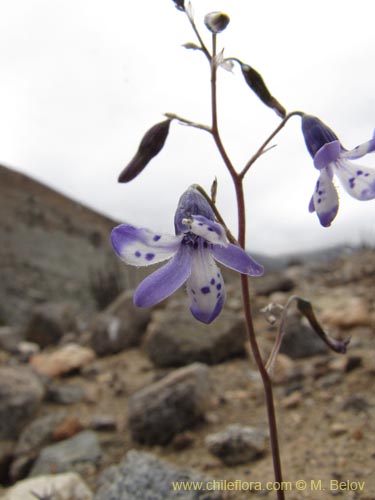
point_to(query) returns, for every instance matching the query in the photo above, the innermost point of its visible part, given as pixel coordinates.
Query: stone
(67, 486)
(64, 394)
(65, 455)
(273, 282)
(21, 393)
(143, 476)
(356, 403)
(347, 312)
(49, 322)
(63, 360)
(120, 326)
(300, 340)
(9, 338)
(175, 338)
(176, 402)
(237, 444)
(6, 455)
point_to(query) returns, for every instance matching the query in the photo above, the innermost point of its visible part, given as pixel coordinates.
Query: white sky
(82, 80)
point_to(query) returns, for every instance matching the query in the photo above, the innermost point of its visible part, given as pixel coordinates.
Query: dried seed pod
(216, 22)
(151, 144)
(257, 85)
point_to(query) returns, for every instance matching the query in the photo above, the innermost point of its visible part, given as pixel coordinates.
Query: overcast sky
(82, 80)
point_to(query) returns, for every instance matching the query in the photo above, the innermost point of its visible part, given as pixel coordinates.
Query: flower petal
(205, 286)
(327, 154)
(358, 181)
(361, 150)
(325, 199)
(142, 247)
(166, 280)
(236, 258)
(209, 230)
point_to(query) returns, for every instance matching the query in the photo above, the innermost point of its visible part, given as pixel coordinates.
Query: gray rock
(176, 402)
(300, 340)
(21, 393)
(64, 394)
(142, 476)
(6, 455)
(175, 338)
(237, 444)
(49, 322)
(64, 456)
(273, 282)
(38, 433)
(119, 327)
(9, 338)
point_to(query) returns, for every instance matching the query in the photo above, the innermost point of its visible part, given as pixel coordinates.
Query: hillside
(52, 248)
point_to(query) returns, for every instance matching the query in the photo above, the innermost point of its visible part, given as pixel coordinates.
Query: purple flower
(199, 241)
(331, 158)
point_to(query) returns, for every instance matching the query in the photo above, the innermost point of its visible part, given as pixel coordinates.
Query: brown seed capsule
(257, 85)
(216, 22)
(151, 144)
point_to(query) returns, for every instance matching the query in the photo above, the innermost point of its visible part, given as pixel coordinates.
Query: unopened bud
(151, 144)
(257, 85)
(216, 22)
(180, 4)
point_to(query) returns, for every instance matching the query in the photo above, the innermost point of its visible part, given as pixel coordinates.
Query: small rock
(292, 401)
(237, 444)
(9, 338)
(65, 455)
(348, 313)
(183, 440)
(6, 455)
(273, 282)
(142, 476)
(103, 423)
(70, 357)
(163, 409)
(25, 350)
(49, 322)
(21, 393)
(38, 433)
(286, 370)
(355, 402)
(64, 394)
(119, 327)
(338, 429)
(67, 428)
(175, 338)
(63, 486)
(300, 340)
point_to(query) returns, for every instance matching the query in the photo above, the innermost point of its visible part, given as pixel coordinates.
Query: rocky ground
(121, 406)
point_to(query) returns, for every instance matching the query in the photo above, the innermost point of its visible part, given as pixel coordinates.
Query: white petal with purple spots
(209, 230)
(205, 286)
(325, 199)
(358, 181)
(142, 247)
(361, 150)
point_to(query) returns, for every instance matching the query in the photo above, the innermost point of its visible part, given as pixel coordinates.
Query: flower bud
(180, 4)
(316, 134)
(257, 85)
(151, 144)
(192, 202)
(216, 22)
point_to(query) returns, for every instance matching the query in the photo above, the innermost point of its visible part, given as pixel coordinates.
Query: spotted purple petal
(205, 286)
(237, 259)
(358, 181)
(142, 247)
(166, 280)
(361, 150)
(325, 199)
(209, 230)
(327, 154)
